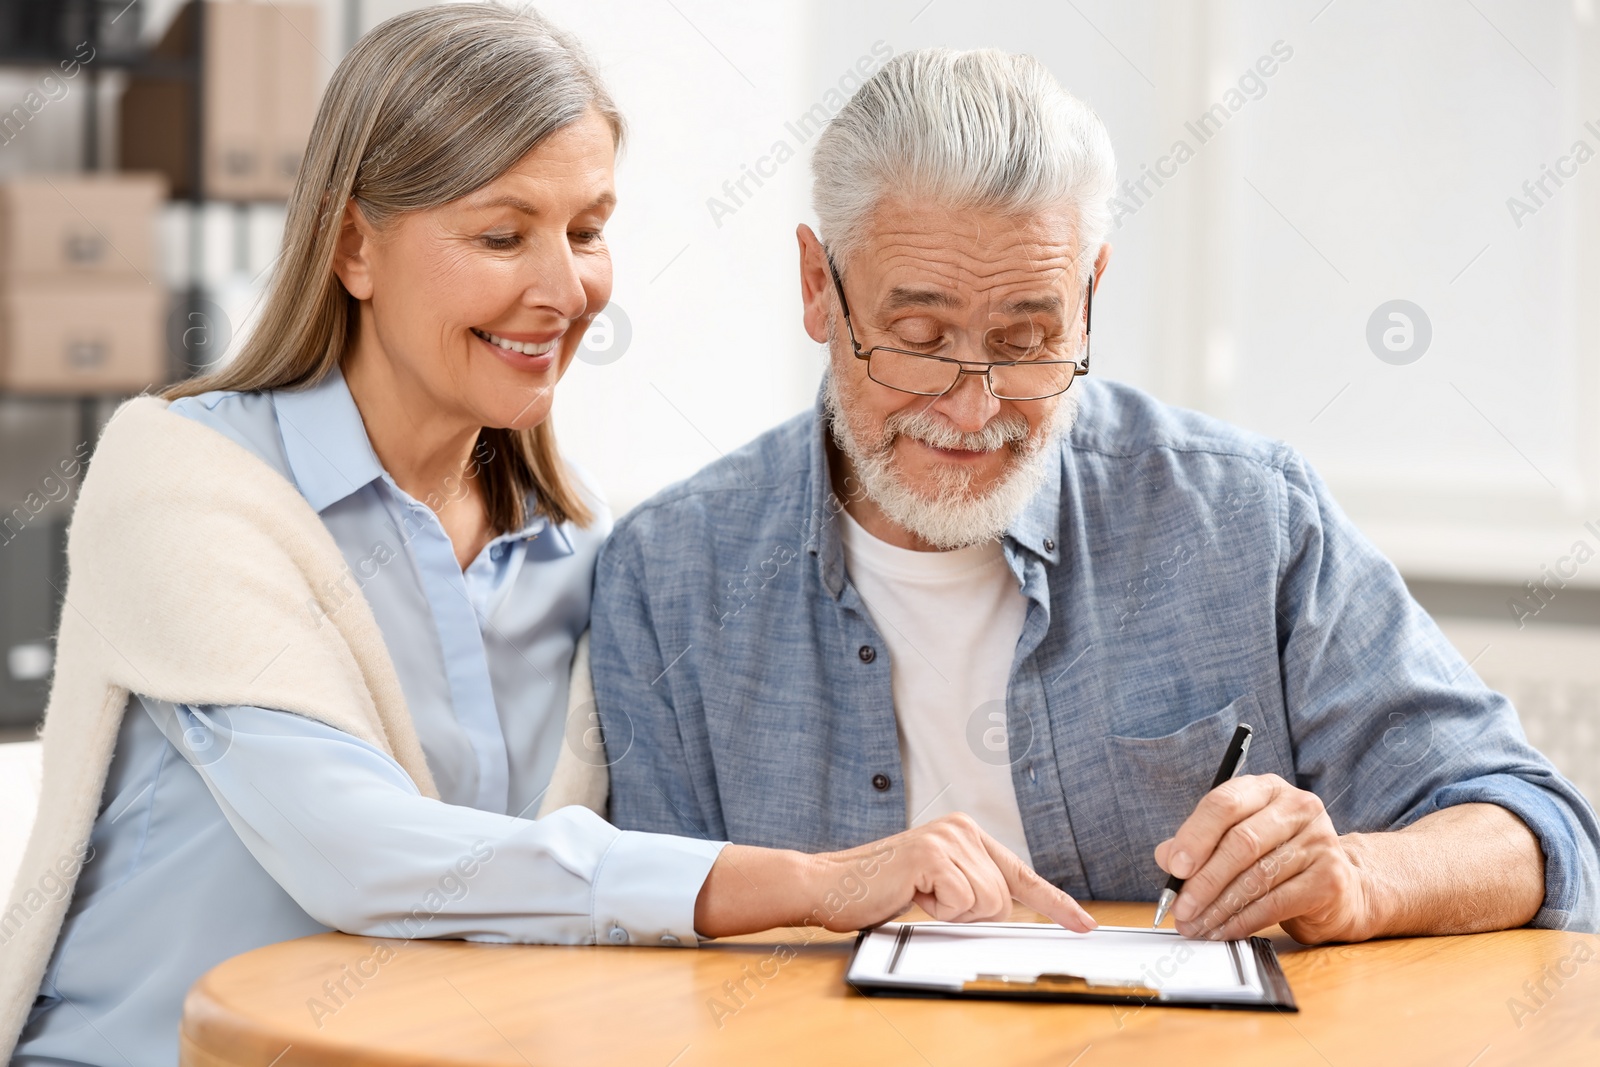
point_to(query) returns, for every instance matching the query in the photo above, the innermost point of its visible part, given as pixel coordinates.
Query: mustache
(1002, 431)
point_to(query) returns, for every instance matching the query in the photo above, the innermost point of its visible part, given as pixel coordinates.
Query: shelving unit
(37, 36)
(136, 61)
(38, 551)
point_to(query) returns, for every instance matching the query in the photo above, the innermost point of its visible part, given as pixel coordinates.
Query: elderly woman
(324, 603)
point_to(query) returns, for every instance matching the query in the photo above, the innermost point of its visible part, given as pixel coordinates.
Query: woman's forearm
(350, 839)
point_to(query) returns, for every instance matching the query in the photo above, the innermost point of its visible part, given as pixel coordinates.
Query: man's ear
(352, 258)
(816, 287)
(1100, 262)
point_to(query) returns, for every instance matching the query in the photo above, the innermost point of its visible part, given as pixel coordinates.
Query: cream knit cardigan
(198, 575)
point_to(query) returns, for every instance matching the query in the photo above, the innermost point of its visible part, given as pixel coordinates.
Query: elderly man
(972, 580)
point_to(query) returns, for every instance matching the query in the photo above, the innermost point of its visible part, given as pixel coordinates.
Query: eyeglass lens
(917, 373)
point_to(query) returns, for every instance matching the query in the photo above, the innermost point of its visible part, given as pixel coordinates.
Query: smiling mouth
(957, 453)
(524, 348)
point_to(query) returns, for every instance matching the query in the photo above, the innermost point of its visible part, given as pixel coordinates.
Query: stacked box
(258, 78)
(82, 304)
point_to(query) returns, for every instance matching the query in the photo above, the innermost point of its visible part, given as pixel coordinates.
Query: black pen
(1232, 763)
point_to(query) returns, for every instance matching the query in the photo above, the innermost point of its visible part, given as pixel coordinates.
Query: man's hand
(1258, 851)
(949, 867)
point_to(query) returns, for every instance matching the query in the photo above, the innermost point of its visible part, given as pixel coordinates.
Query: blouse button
(669, 939)
(880, 782)
(1049, 545)
(618, 936)
(867, 654)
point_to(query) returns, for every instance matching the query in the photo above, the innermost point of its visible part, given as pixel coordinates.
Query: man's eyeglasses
(929, 375)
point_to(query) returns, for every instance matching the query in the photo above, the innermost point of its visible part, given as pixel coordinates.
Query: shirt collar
(331, 456)
(823, 536)
(325, 440)
(1037, 528)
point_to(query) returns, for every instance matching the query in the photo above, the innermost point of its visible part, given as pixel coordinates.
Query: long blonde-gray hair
(428, 107)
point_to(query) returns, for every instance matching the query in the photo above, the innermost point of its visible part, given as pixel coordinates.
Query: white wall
(1392, 145)
(21, 768)
(717, 354)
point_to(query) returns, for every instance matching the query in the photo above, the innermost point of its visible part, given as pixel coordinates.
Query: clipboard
(1042, 962)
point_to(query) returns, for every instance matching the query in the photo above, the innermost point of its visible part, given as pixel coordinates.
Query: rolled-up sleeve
(1388, 720)
(342, 828)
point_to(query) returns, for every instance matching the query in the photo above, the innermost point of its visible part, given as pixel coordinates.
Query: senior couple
(975, 629)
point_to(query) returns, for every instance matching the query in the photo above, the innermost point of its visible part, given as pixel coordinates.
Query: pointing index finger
(1030, 889)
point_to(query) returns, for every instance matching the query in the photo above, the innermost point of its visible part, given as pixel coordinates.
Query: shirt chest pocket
(1159, 780)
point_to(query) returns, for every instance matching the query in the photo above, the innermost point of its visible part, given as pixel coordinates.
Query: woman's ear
(352, 257)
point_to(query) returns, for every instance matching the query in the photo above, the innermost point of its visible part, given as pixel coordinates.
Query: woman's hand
(949, 867)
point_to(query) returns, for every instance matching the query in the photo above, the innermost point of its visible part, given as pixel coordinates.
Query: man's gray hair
(981, 129)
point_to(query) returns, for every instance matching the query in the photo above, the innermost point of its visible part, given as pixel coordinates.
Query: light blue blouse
(225, 829)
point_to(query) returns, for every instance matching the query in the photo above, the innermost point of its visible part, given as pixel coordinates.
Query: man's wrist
(1375, 905)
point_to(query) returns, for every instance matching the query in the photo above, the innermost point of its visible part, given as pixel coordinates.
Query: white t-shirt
(951, 621)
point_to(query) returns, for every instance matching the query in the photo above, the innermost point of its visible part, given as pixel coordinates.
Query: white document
(946, 956)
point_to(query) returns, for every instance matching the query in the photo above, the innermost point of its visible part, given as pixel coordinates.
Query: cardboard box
(259, 84)
(69, 337)
(81, 226)
(157, 116)
(234, 55)
(290, 91)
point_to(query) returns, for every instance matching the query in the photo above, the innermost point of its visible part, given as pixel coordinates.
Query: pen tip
(1163, 906)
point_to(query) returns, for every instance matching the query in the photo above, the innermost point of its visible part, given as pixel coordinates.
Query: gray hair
(450, 97)
(982, 129)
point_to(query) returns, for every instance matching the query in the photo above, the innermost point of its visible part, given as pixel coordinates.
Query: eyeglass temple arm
(838, 286)
(1088, 319)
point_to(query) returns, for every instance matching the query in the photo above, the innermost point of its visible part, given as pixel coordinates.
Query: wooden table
(1455, 1001)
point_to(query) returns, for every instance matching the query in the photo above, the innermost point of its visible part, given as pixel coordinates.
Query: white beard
(953, 516)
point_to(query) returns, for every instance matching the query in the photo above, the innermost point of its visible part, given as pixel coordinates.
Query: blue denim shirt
(1182, 576)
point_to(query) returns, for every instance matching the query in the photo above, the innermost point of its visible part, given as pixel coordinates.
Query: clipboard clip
(1056, 983)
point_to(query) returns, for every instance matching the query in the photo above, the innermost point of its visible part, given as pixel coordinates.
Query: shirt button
(668, 939)
(867, 654)
(618, 936)
(1049, 545)
(880, 782)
